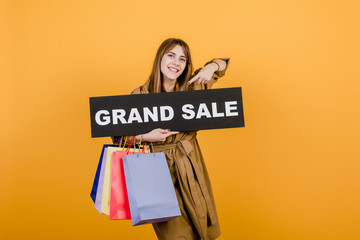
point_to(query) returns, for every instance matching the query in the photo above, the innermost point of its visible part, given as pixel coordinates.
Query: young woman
(172, 71)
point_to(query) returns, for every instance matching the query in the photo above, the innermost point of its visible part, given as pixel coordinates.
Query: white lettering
(229, 107)
(118, 114)
(134, 116)
(106, 118)
(214, 110)
(153, 115)
(163, 110)
(203, 111)
(187, 109)
(165, 113)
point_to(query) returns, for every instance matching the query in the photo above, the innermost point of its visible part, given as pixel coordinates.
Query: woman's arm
(206, 73)
(156, 135)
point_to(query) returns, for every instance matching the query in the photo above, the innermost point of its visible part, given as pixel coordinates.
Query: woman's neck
(169, 85)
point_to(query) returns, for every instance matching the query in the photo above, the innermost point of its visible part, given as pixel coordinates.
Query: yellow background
(291, 173)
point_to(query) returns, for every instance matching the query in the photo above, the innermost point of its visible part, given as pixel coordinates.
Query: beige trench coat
(191, 181)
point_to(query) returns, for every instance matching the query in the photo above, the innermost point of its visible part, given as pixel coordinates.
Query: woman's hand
(157, 135)
(205, 74)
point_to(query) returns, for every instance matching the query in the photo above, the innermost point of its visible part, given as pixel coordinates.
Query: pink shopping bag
(119, 203)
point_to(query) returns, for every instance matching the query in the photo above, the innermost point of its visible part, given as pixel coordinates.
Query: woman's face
(173, 63)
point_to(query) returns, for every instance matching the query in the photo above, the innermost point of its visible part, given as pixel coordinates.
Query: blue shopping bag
(94, 189)
(151, 192)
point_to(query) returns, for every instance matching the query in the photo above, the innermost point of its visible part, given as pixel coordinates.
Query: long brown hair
(156, 79)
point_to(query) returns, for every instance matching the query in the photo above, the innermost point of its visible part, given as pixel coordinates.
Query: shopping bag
(99, 193)
(100, 185)
(105, 201)
(151, 193)
(119, 203)
(94, 189)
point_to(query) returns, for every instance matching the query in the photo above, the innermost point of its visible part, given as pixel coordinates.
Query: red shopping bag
(119, 203)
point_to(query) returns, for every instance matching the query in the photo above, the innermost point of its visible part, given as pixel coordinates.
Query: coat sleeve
(215, 77)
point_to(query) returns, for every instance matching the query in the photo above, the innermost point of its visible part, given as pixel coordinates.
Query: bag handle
(122, 148)
(140, 145)
(153, 150)
(152, 146)
(144, 146)
(130, 143)
(143, 151)
(118, 142)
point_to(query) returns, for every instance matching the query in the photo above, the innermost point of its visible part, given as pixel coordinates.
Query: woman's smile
(173, 69)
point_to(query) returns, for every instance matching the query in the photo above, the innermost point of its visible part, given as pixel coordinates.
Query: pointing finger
(171, 133)
(192, 80)
(200, 80)
(164, 131)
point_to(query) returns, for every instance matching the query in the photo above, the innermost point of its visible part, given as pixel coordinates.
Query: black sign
(177, 111)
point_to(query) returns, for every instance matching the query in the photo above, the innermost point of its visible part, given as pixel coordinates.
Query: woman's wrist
(139, 138)
(214, 66)
(217, 65)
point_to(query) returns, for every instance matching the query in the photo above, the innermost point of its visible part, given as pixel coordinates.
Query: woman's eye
(183, 60)
(170, 55)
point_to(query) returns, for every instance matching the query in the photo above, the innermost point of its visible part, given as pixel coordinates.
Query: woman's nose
(177, 62)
